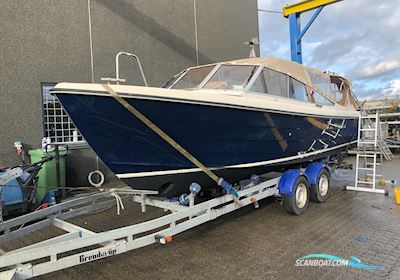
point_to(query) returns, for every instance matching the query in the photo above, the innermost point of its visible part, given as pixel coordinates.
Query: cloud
(393, 90)
(368, 94)
(389, 90)
(327, 53)
(379, 68)
(357, 38)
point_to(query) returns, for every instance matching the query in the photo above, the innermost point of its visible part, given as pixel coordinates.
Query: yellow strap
(161, 133)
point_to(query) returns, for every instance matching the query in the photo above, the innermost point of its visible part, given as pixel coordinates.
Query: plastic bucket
(50, 198)
(396, 191)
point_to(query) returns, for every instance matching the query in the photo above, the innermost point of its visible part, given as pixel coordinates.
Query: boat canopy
(268, 75)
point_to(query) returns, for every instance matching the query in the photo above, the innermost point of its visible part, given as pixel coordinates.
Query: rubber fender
(313, 170)
(288, 179)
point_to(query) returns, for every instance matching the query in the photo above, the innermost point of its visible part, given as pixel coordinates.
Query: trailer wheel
(297, 203)
(319, 191)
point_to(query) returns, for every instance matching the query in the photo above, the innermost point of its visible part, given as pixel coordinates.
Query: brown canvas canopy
(294, 69)
(313, 78)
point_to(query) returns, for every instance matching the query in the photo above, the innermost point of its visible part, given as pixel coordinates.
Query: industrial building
(84, 38)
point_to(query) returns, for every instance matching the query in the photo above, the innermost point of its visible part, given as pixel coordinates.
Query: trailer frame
(61, 252)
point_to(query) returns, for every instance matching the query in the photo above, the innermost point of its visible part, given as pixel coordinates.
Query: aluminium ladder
(371, 149)
(381, 143)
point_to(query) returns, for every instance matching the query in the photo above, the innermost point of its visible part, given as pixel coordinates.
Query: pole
(295, 39)
(57, 154)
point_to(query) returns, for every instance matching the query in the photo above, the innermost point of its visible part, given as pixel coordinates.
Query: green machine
(52, 174)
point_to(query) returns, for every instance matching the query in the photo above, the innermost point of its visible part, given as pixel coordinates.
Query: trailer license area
(91, 256)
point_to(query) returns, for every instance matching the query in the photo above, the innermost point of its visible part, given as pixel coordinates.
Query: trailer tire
(297, 203)
(319, 191)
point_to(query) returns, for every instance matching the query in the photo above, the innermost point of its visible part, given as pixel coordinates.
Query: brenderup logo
(330, 260)
(98, 255)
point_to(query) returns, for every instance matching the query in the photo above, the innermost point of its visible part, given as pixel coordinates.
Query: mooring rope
(120, 204)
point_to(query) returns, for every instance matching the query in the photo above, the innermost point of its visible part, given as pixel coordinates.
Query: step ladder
(371, 149)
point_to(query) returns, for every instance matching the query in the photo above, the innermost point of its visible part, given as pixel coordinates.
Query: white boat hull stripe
(244, 165)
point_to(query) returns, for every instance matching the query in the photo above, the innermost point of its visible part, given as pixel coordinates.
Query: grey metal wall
(48, 41)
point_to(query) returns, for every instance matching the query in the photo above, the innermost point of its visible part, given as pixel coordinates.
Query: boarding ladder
(371, 149)
(332, 132)
(333, 129)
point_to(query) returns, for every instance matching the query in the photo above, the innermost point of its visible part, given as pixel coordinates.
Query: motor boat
(238, 118)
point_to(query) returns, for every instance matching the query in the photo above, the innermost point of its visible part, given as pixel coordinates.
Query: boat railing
(117, 79)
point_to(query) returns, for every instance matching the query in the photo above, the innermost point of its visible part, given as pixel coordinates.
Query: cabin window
(193, 77)
(271, 82)
(297, 90)
(320, 99)
(234, 77)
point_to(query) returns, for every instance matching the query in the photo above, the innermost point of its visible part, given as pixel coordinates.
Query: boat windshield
(193, 77)
(322, 83)
(342, 89)
(173, 80)
(235, 77)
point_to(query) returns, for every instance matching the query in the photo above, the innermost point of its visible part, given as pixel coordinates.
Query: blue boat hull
(234, 142)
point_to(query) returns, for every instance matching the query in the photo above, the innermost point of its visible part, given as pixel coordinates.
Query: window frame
(288, 77)
(315, 77)
(314, 91)
(274, 95)
(249, 83)
(254, 78)
(214, 70)
(209, 76)
(187, 72)
(71, 144)
(257, 73)
(176, 77)
(184, 72)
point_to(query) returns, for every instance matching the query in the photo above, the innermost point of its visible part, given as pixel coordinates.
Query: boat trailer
(79, 245)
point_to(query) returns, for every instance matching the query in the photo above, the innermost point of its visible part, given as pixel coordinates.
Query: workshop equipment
(18, 187)
(52, 174)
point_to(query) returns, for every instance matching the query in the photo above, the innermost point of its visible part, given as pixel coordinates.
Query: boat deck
(259, 243)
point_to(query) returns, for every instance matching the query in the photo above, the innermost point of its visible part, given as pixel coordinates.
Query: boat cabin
(282, 78)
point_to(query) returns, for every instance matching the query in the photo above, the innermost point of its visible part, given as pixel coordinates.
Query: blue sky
(359, 39)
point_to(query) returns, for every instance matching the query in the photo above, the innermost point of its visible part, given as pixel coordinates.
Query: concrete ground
(259, 243)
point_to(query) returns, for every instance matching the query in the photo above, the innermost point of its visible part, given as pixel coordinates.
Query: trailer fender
(288, 180)
(313, 170)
